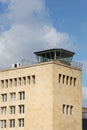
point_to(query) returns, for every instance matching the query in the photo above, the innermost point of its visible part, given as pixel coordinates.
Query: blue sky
(31, 25)
(71, 17)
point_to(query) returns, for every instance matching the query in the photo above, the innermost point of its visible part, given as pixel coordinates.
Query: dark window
(33, 79)
(28, 79)
(3, 123)
(21, 122)
(74, 81)
(71, 109)
(22, 95)
(4, 97)
(67, 109)
(71, 80)
(12, 123)
(67, 80)
(59, 78)
(63, 79)
(63, 109)
(21, 109)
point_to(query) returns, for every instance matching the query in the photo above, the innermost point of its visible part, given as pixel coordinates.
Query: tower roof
(54, 54)
(62, 51)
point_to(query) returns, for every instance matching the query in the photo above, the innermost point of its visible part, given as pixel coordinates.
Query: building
(42, 96)
(84, 118)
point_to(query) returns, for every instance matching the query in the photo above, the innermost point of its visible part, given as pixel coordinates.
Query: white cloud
(30, 31)
(55, 38)
(27, 11)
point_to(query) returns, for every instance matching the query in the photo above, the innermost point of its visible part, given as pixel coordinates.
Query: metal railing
(76, 65)
(69, 63)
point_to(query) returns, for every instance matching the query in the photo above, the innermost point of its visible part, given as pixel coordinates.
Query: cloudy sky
(32, 25)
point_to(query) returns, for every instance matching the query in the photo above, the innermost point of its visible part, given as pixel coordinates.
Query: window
(3, 123)
(12, 123)
(2, 83)
(63, 79)
(4, 97)
(64, 108)
(3, 111)
(19, 81)
(71, 80)
(60, 78)
(33, 79)
(28, 79)
(74, 81)
(21, 109)
(12, 109)
(10, 82)
(24, 80)
(6, 83)
(13, 96)
(67, 109)
(21, 122)
(71, 108)
(21, 95)
(15, 81)
(67, 80)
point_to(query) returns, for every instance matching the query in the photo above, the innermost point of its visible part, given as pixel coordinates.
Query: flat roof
(54, 49)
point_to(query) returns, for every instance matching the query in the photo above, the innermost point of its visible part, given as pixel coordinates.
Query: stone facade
(44, 96)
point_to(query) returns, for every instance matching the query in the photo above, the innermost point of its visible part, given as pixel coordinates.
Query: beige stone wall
(44, 97)
(69, 95)
(38, 101)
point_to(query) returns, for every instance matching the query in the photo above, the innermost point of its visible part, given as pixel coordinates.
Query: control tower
(55, 54)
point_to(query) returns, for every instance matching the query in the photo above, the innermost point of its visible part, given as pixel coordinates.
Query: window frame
(12, 123)
(21, 122)
(4, 97)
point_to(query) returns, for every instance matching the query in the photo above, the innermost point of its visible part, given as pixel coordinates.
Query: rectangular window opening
(24, 80)
(22, 95)
(15, 81)
(21, 122)
(28, 79)
(21, 109)
(12, 109)
(4, 97)
(3, 123)
(12, 123)
(63, 109)
(6, 83)
(71, 110)
(74, 81)
(67, 80)
(33, 79)
(13, 96)
(3, 111)
(63, 79)
(59, 78)
(71, 80)
(2, 83)
(67, 109)
(19, 81)
(10, 82)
